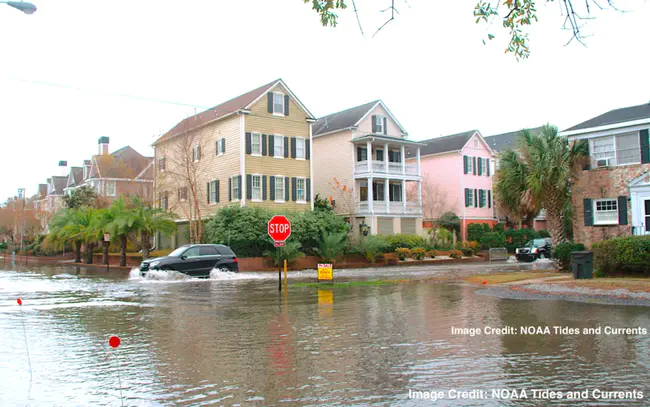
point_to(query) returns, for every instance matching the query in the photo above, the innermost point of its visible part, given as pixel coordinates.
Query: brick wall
(602, 183)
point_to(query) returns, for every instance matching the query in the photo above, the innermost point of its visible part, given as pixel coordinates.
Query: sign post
(279, 228)
(107, 239)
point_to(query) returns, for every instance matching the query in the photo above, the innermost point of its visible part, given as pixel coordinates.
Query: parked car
(196, 260)
(534, 249)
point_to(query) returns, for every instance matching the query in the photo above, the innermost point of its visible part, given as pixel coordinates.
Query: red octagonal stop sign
(279, 228)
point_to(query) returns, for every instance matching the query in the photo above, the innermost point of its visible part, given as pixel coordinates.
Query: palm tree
(82, 228)
(538, 176)
(60, 232)
(123, 221)
(149, 221)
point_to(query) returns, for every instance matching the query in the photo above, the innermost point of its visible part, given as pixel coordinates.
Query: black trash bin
(582, 264)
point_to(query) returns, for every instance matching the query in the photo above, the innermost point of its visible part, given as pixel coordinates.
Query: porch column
(386, 197)
(386, 158)
(419, 202)
(370, 208)
(403, 193)
(401, 151)
(369, 155)
(417, 161)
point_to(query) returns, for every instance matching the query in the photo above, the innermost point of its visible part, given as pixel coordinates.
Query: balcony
(379, 168)
(394, 208)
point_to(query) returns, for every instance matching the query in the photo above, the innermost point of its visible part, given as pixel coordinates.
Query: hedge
(623, 255)
(407, 241)
(493, 239)
(562, 253)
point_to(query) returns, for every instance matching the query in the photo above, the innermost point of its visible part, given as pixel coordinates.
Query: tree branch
(392, 17)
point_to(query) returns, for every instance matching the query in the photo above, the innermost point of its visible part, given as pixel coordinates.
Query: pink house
(457, 175)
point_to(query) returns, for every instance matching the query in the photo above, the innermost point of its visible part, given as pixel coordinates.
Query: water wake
(158, 275)
(219, 275)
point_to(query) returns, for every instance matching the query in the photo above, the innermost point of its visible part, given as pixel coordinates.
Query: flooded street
(234, 340)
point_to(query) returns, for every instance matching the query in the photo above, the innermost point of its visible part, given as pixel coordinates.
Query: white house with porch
(360, 166)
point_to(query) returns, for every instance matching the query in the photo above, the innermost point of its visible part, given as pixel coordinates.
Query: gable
(393, 127)
(481, 144)
(641, 181)
(297, 110)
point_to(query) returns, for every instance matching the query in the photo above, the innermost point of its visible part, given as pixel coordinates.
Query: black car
(534, 249)
(196, 260)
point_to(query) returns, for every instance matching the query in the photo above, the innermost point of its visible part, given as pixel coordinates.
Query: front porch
(381, 156)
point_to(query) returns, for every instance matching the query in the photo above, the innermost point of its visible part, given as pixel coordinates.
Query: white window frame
(196, 153)
(615, 150)
(470, 201)
(304, 190)
(259, 188)
(304, 148)
(107, 183)
(611, 211)
(213, 190)
(483, 166)
(275, 146)
(281, 112)
(259, 137)
(180, 195)
(220, 146)
(470, 165)
(475, 142)
(281, 197)
(234, 187)
(164, 166)
(379, 124)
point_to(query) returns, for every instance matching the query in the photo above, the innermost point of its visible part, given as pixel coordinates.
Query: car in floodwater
(534, 249)
(196, 260)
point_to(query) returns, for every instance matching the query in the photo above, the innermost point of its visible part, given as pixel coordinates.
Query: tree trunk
(144, 240)
(123, 250)
(77, 252)
(89, 253)
(105, 252)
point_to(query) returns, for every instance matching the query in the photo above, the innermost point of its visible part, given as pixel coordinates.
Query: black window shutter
(248, 143)
(308, 190)
(216, 147)
(474, 166)
(249, 186)
(263, 144)
(239, 185)
(587, 164)
(270, 98)
(588, 212)
(465, 158)
(229, 189)
(272, 187)
(223, 145)
(216, 192)
(286, 105)
(293, 189)
(645, 146)
(307, 149)
(286, 147)
(475, 198)
(384, 126)
(264, 187)
(208, 194)
(293, 147)
(374, 124)
(466, 197)
(622, 210)
(487, 165)
(489, 193)
(480, 170)
(480, 198)
(286, 188)
(271, 145)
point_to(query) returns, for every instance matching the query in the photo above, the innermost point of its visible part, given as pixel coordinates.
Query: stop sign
(279, 228)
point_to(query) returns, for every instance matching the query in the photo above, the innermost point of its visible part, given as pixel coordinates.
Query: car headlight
(516, 251)
(534, 250)
(154, 264)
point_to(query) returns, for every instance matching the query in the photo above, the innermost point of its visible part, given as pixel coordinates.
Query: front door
(647, 216)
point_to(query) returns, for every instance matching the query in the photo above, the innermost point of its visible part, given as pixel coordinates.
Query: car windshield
(178, 252)
(536, 243)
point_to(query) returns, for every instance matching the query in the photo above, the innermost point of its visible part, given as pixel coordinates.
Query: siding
(294, 125)
(385, 226)
(334, 148)
(472, 181)
(365, 127)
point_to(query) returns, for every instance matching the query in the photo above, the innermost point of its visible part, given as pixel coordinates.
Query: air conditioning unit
(604, 163)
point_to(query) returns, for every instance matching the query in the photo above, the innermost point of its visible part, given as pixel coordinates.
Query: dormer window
(379, 124)
(278, 103)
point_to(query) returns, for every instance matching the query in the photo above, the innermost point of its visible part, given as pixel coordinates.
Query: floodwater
(236, 340)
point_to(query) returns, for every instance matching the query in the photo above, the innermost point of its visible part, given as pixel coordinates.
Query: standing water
(233, 339)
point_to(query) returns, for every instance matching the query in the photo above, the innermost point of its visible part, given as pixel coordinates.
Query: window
(379, 124)
(475, 143)
(163, 201)
(395, 192)
(161, 164)
(278, 146)
(234, 187)
(621, 149)
(279, 188)
(362, 154)
(470, 163)
(378, 191)
(256, 192)
(278, 103)
(196, 153)
(110, 188)
(221, 146)
(214, 191)
(256, 143)
(182, 194)
(484, 166)
(605, 212)
(300, 147)
(192, 252)
(363, 191)
(300, 190)
(208, 251)
(470, 196)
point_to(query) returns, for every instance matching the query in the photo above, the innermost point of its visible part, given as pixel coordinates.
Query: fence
(498, 253)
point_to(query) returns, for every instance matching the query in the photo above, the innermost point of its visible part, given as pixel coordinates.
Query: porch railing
(379, 167)
(397, 208)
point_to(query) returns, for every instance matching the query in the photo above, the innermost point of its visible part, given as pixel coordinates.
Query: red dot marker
(484, 282)
(114, 341)
(19, 301)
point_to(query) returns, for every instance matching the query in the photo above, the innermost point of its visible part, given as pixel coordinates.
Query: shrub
(498, 227)
(399, 240)
(543, 233)
(518, 237)
(470, 248)
(449, 221)
(625, 254)
(456, 254)
(371, 247)
(331, 246)
(476, 230)
(418, 253)
(562, 254)
(442, 238)
(308, 227)
(290, 252)
(493, 239)
(432, 254)
(403, 253)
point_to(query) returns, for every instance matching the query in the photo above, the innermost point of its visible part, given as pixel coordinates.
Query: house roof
(124, 163)
(59, 184)
(226, 108)
(342, 120)
(42, 190)
(508, 141)
(445, 144)
(75, 177)
(625, 114)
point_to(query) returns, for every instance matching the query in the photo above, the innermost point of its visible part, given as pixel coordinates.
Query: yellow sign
(325, 272)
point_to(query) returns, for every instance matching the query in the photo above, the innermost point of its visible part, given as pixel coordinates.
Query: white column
(386, 158)
(369, 156)
(386, 195)
(417, 160)
(401, 149)
(370, 208)
(403, 195)
(419, 203)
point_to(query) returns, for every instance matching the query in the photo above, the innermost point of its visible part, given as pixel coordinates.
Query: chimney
(103, 145)
(63, 168)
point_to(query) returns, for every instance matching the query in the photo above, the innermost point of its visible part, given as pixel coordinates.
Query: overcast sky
(429, 66)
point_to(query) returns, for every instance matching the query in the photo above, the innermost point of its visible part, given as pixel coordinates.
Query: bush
(309, 227)
(470, 249)
(290, 252)
(331, 246)
(518, 238)
(418, 253)
(403, 253)
(623, 255)
(475, 231)
(449, 221)
(498, 227)
(432, 254)
(493, 239)
(456, 254)
(562, 254)
(399, 240)
(543, 233)
(371, 247)
(442, 238)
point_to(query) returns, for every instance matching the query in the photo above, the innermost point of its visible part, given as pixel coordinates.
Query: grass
(501, 278)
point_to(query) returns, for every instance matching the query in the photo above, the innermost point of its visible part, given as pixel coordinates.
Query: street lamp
(21, 195)
(27, 8)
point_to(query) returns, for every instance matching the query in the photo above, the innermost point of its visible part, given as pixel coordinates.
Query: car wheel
(224, 269)
(542, 256)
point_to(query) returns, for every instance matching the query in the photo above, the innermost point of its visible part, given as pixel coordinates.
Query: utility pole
(21, 194)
